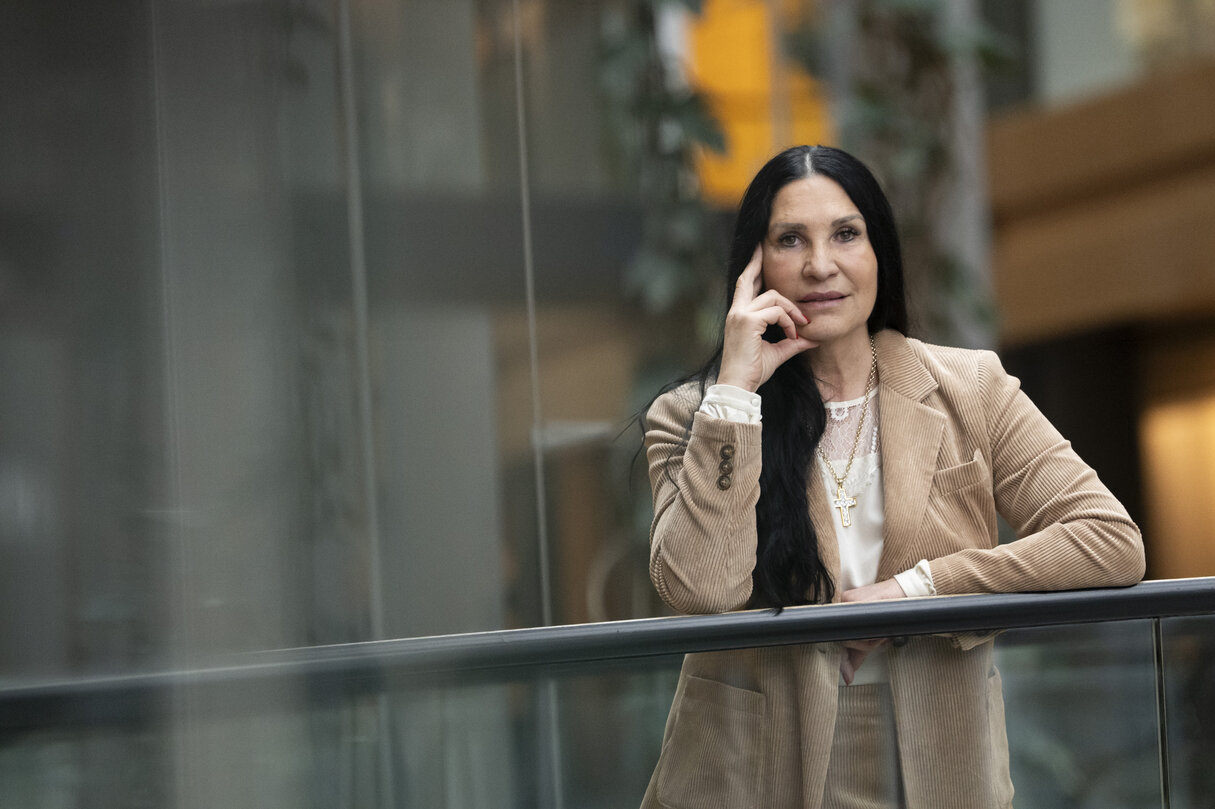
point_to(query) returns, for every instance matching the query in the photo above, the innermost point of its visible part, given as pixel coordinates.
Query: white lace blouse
(860, 542)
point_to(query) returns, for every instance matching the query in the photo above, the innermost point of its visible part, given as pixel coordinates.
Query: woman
(822, 455)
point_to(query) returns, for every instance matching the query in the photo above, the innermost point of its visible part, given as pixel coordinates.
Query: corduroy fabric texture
(864, 769)
(960, 443)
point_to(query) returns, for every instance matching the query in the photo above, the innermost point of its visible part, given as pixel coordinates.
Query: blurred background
(326, 321)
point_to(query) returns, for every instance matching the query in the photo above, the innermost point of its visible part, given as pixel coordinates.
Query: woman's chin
(824, 334)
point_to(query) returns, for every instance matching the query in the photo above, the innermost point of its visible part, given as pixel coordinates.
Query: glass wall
(314, 330)
(287, 364)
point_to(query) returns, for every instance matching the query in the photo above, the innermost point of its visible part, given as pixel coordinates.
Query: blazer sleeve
(1073, 533)
(704, 475)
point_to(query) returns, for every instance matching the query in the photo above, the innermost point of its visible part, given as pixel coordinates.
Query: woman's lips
(822, 300)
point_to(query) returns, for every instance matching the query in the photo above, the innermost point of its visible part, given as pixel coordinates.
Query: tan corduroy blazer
(960, 443)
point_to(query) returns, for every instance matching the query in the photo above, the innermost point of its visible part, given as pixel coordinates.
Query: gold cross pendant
(843, 502)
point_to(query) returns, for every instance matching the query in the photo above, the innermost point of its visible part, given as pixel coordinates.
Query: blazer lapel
(910, 435)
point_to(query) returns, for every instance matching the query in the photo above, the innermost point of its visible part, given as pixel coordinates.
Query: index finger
(750, 280)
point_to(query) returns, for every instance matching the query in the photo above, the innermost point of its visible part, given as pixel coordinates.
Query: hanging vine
(895, 76)
(658, 123)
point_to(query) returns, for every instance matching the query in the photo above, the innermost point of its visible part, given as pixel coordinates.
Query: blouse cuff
(732, 404)
(917, 582)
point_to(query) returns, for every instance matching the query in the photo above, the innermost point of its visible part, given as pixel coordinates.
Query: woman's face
(818, 255)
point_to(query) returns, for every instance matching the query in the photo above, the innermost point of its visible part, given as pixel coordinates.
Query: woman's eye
(788, 240)
(848, 234)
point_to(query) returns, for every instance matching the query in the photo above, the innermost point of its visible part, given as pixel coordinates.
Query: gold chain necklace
(842, 500)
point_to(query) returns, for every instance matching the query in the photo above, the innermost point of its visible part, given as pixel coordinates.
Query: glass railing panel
(611, 728)
(1188, 656)
(1079, 701)
(107, 767)
(575, 716)
(1080, 708)
(513, 740)
(582, 740)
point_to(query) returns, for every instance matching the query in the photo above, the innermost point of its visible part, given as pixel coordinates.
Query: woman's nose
(818, 263)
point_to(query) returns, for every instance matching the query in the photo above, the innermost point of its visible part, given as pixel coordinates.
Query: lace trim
(837, 442)
(840, 433)
(840, 411)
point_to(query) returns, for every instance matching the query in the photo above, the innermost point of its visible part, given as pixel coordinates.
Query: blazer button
(725, 467)
(727, 452)
(724, 482)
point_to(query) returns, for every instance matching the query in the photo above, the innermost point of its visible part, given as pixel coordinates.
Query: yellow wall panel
(763, 102)
(1178, 441)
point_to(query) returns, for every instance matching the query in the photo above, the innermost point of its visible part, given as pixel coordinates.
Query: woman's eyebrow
(799, 226)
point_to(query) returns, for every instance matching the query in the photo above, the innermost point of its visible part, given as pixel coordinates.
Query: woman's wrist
(727, 376)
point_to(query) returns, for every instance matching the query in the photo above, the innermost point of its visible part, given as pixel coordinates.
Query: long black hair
(788, 567)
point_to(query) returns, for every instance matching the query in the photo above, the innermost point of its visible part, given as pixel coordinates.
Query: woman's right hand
(747, 359)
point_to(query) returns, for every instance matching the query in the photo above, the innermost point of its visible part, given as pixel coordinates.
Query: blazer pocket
(955, 478)
(714, 756)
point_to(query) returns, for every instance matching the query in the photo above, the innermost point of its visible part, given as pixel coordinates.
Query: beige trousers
(864, 768)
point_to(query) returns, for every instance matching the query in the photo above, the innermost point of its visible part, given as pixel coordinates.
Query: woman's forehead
(813, 198)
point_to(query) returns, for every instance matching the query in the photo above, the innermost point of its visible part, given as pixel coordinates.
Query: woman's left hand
(878, 591)
(855, 651)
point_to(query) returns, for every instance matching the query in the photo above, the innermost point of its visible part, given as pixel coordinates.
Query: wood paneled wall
(1104, 212)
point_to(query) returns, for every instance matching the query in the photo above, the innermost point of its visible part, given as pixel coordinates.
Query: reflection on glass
(1188, 646)
(1081, 715)
(1080, 703)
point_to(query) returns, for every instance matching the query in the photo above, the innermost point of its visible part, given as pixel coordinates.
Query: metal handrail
(542, 651)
